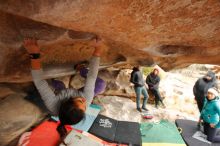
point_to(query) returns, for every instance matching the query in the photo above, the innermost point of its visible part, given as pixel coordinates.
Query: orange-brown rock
(170, 33)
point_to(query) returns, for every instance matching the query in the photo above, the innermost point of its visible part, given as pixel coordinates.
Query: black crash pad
(189, 128)
(104, 127)
(111, 130)
(128, 133)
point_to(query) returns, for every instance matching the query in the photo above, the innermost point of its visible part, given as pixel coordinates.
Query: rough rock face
(16, 116)
(169, 33)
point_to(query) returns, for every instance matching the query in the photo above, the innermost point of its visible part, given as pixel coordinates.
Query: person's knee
(210, 138)
(145, 95)
(137, 93)
(138, 96)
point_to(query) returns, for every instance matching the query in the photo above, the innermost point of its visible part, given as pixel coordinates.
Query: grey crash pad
(188, 130)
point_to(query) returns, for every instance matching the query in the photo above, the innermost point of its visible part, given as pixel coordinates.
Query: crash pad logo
(105, 123)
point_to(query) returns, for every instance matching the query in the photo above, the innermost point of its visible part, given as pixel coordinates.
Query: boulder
(16, 116)
(172, 33)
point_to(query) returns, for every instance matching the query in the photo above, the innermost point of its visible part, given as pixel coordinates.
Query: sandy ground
(124, 109)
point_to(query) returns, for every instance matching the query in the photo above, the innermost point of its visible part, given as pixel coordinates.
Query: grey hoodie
(137, 78)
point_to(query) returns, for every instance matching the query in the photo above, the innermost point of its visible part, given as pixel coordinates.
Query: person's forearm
(133, 80)
(136, 83)
(93, 71)
(97, 52)
(45, 91)
(149, 83)
(91, 78)
(36, 64)
(42, 86)
(34, 53)
(156, 85)
(35, 59)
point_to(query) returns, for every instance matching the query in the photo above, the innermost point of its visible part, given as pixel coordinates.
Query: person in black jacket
(153, 81)
(139, 87)
(202, 86)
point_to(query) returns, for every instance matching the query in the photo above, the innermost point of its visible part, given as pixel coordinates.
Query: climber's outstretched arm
(47, 95)
(93, 71)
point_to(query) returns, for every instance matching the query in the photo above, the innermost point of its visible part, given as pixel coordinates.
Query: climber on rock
(201, 87)
(70, 104)
(139, 87)
(210, 115)
(153, 81)
(100, 84)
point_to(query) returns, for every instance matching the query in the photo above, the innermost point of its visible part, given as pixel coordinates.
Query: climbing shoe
(139, 109)
(144, 108)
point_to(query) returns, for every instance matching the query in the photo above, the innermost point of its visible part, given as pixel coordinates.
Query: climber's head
(71, 112)
(155, 71)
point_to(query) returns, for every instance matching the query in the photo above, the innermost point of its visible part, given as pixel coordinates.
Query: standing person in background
(139, 87)
(201, 87)
(153, 81)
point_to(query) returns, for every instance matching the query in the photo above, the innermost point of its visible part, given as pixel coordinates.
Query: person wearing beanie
(153, 81)
(201, 87)
(210, 115)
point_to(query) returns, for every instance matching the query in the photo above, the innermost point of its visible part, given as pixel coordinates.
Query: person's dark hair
(136, 68)
(62, 132)
(155, 69)
(69, 114)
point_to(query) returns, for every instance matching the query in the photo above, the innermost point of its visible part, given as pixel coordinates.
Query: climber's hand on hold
(97, 44)
(31, 46)
(34, 51)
